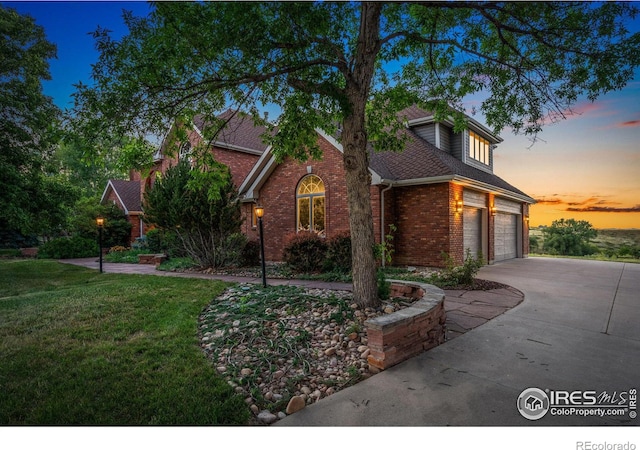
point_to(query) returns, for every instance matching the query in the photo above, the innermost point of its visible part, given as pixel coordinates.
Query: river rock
(295, 404)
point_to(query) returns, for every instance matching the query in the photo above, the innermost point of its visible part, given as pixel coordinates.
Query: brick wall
(427, 223)
(278, 196)
(525, 230)
(396, 337)
(456, 225)
(491, 230)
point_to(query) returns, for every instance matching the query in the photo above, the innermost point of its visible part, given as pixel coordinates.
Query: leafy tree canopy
(357, 64)
(28, 123)
(569, 237)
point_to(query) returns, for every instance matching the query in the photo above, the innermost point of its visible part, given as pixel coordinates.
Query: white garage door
(505, 236)
(472, 224)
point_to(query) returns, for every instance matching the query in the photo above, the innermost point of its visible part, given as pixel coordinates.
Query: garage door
(472, 224)
(506, 236)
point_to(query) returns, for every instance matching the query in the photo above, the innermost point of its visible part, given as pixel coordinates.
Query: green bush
(305, 252)
(201, 208)
(338, 256)
(462, 275)
(164, 241)
(65, 248)
(384, 286)
(250, 254)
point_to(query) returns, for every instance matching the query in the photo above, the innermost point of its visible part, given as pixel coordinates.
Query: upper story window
(310, 211)
(479, 148)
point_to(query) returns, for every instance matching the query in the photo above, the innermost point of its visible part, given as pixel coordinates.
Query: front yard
(77, 347)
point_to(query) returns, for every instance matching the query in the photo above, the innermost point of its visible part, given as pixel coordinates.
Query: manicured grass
(78, 347)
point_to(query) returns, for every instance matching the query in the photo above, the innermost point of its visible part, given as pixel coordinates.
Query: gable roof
(421, 162)
(238, 133)
(417, 116)
(127, 192)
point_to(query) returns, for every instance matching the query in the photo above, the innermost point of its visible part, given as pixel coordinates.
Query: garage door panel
(472, 234)
(505, 234)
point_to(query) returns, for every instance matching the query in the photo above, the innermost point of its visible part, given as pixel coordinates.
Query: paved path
(577, 329)
(466, 310)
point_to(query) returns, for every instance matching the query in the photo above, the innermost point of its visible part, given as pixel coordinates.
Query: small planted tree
(205, 215)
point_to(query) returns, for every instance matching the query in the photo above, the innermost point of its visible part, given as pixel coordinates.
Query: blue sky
(586, 167)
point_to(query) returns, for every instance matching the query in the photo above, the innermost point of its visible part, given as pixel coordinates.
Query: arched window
(185, 150)
(310, 205)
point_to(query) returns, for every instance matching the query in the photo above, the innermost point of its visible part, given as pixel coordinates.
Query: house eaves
(463, 181)
(472, 124)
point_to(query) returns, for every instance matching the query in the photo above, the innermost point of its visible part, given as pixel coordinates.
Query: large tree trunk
(356, 158)
(356, 163)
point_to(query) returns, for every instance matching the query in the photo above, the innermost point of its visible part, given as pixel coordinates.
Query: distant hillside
(611, 242)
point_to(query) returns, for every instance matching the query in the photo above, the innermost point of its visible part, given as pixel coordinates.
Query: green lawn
(79, 347)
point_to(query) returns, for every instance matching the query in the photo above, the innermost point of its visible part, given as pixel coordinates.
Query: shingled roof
(128, 192)
(421, 160)
(239, 132)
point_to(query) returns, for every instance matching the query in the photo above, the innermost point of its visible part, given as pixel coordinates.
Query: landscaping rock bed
(286, 347)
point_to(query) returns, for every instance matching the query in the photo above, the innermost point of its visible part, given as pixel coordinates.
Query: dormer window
(479, 148)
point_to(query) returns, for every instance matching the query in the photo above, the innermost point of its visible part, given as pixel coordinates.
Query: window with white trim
(479, 148)
(310, 209)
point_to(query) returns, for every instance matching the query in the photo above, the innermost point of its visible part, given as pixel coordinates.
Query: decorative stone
(246, 371)
(330, 351)
(267, 417)
(254, 409)
(295, 404)
(278, 374)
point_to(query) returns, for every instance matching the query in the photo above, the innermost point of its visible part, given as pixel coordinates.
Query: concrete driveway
(578, 329)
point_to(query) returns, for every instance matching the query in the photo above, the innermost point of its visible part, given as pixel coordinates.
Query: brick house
(440, 193)
(126, 195)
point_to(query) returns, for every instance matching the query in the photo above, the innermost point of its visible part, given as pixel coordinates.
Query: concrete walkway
(466, 310)
(577, 329)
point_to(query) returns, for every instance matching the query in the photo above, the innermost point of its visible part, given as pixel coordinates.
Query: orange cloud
(628, 124)
(607, 209)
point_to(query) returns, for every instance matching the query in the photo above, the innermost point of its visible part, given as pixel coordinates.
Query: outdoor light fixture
(100, 224)
(259, 213)
(459, 206)
(494, 210)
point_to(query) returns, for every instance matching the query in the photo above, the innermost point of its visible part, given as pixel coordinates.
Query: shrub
(250, 254)
(230, 251)
(338, 255)
(201, 208)
(65, 248)
(164, 241)
(459, 275)
(305, 252)
(384, 286)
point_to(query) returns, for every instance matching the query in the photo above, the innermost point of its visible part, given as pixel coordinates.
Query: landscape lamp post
(259, 214)
(100, 223)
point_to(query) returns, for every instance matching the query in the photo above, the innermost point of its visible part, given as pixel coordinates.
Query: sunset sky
(586, 167)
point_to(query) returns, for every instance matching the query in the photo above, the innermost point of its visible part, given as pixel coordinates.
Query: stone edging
(398, 336)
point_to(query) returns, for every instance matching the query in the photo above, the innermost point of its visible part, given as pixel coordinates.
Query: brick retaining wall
(405, 333)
